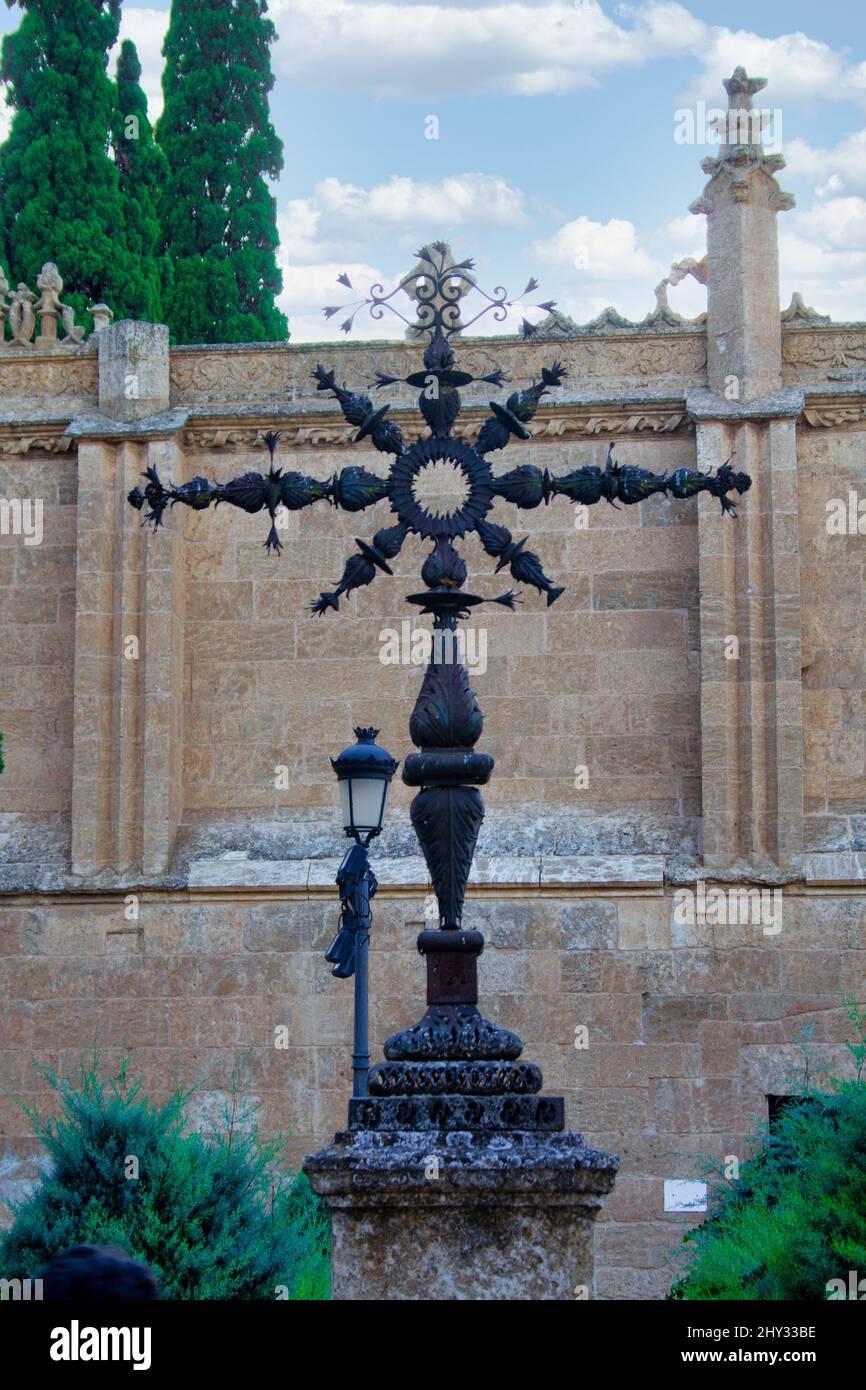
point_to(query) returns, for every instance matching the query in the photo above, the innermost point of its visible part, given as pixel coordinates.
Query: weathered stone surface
(133, 370)
(463, 1215)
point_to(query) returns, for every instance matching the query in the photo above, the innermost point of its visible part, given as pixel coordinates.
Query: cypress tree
(60, 196)
(143, 171)
(218, 214)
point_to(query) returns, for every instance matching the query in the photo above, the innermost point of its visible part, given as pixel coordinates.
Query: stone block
(133, 370)
(462, 1215)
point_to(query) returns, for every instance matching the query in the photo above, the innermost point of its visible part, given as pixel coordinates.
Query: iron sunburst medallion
(452, 521)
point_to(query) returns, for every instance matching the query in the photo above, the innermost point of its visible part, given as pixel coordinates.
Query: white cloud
(341, 227)
(842, 167)
(146, 27)
(341, 217)
(594, 264)
(425, 49)
(598, 251)
(822, 254)
(840, 223)
(686, 236)
(534, 47)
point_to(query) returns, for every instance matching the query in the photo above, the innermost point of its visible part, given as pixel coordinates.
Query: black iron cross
(454, 1068)
(355, 488)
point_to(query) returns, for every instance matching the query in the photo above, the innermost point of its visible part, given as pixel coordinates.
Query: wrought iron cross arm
(362, 568)
(525, 565)
(353, 489)
(686, 482)
(510, 419)
(359, 410)
(528, 486)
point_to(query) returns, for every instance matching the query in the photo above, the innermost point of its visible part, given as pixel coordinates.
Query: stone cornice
(302, 428)
(708, 405)
(836, 409)
(48, 438)
(326, 429)
(94, 425)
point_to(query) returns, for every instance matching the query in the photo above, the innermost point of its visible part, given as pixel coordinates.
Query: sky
(545, 137)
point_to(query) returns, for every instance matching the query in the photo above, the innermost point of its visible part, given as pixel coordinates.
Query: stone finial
(741, 88)
(741, 200)
(50, 308)
(22, 308)
(101, 315)
(742, 126)
(798, 311)
(741, 154)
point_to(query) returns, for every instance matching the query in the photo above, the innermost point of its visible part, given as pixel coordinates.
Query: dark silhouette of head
(88, 1273)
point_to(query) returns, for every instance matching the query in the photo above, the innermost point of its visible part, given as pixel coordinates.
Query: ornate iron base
(457, 1112)
(453, 1033)
(456, 1078)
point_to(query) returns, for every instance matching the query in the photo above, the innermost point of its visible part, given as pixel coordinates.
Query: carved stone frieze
(40, 379)
(18, 444)
(831, 414)
(283, 374)
(816, 354)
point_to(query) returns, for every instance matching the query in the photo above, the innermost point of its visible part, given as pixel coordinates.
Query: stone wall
(690, 1027)
(159, 892)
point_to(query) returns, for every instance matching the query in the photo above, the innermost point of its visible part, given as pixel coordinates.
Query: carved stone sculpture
(4, 290)
(50, 308)
(22, 320)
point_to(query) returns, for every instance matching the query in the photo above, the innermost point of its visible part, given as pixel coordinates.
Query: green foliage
(143, 171)
(214, 1216)
(60, 195)
(796, 1217)
(218, 215)
(857, 1017)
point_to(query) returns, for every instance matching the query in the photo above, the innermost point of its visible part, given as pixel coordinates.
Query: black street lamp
(364, 771)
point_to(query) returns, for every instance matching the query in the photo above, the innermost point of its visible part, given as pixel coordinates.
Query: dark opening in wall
(777, 1105)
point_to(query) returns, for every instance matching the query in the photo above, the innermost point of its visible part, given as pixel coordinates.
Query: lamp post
(364, 771)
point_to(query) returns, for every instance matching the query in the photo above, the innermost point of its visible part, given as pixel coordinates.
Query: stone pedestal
(461, 1215)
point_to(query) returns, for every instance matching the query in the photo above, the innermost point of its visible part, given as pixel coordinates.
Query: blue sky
(555, 152)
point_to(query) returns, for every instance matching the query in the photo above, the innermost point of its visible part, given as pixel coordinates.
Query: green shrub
(796, 1217)
(214, 1216)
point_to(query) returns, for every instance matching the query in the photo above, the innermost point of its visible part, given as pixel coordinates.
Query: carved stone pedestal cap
(461, 1216)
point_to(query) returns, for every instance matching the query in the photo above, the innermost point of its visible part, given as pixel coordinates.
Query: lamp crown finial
(365, 735)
